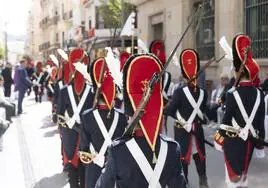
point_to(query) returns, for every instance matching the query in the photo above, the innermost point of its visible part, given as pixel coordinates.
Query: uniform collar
(246, 83)
(139, 133)
(103, 107)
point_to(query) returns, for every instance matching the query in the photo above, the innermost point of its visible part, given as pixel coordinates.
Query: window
(256, 26)
(63, 38)
(62, 10)
(89, 23)
(57, 37)
(99, 20)
(205, 42)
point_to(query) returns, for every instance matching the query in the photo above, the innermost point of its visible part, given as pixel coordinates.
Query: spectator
(9, 107)
(215, 104)
(265, 84)
(23, 82)
(8, 81)
(30, 72)
(201, 80)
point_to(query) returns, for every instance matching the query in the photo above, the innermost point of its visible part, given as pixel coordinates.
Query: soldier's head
(137, 73)
(190, 65)
(108, 88)
(241, 50)
(157, 48)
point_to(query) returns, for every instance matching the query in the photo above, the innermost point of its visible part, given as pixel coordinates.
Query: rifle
(205, 67)
(154, 80)
(91, 47)
(99, 84)
(242, 66)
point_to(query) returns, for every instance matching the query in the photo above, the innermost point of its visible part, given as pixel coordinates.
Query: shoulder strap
(248, 119)
(152, 176)
(196, 105)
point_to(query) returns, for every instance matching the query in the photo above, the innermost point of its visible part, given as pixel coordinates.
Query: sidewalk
(31, 155)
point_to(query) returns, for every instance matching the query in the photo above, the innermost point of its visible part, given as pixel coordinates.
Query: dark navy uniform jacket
(64, 102)
(248, 95)
(123, 170)
(91, 133)
(180, 102)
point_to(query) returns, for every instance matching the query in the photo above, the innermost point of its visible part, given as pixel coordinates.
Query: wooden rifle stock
(99, 84)
(241, 68)
(204, 67)
(155, 79)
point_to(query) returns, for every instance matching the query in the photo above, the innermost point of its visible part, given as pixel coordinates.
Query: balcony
(44, 23)
(68, 15)
(44, 46)
(55, 46)
(54, 20)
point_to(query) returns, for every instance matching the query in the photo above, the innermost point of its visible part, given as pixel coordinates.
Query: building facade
(168, 19)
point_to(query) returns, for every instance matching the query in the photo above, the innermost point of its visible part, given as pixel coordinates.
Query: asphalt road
(258, 172)
(31, 156)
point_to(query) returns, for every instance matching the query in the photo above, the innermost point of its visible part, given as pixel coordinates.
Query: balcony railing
(44, 23)
(55, 45)
(44, 46)
(54, 20)
(68, 15)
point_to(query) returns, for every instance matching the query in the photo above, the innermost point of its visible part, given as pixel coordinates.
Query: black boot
(82, 176)
(185, 170)
(201, 170)
(73, 177)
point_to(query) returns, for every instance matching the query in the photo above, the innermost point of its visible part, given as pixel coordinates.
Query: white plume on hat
(63, 54)
(82, 68)
(54, 59)
(175, 60)
(142, 46)
(114, 67)
(226, 48)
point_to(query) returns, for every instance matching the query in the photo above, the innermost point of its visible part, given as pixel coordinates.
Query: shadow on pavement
(47, 122)
(55, 181)
(51, 133)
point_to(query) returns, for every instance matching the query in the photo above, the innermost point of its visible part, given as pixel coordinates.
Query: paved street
(31, 156)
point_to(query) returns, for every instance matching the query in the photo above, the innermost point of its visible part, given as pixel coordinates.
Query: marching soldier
(119, 99)
(74, 99)
(157, 47)
(100, 125)
(188, 105)
(143, 158)
(243, 121)
(38, 80)
(63, 81)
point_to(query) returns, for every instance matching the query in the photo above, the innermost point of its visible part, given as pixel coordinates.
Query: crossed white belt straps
(100, 158)
(76, 108)
(187, 125)
(151, 175)
(37, 83)
(248, 119)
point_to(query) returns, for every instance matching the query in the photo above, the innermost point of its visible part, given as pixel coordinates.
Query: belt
(86, 157)
(230, 131)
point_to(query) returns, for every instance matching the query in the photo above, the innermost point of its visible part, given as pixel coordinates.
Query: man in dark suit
(23, 82)
(8, 81)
